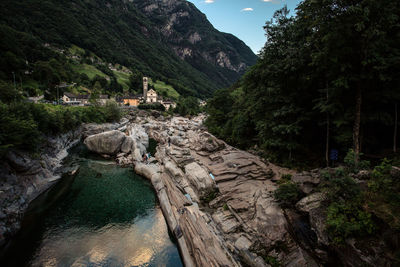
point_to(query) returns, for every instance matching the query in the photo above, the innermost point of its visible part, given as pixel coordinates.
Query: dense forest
(327, 79)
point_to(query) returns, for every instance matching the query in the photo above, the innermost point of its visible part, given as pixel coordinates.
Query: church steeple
(145, 87)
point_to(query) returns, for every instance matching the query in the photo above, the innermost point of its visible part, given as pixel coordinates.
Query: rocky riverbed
(217, 200)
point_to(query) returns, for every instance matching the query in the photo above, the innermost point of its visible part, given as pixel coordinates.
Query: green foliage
(22, 124)
(17, 131)
(346, 215)
(272, 261)
(153, 106)
(8, 93)
(209, 196)
(285, 179)
(136, 82)
(307, 77)
(287, 194)
(164, 89)
(122, 34)
(187, 106)
(384, 194)
(225, 207)
(352, 164)
(347, 219)
(112, 111)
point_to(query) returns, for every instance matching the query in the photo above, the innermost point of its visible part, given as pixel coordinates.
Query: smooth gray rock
(310, 202)
(108, 143)
(127, 145)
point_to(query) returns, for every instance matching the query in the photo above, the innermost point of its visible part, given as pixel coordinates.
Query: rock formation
(217, 200)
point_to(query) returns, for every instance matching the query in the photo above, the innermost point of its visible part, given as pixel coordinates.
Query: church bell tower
(145, 88)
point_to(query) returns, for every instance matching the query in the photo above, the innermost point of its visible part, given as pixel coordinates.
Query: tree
(136, 81)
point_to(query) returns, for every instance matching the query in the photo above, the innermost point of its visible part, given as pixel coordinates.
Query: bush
(384, 195)
(349, 161)
(287, 194)
(16, 131)
(112, 111)
(155, 106)
(345, 219)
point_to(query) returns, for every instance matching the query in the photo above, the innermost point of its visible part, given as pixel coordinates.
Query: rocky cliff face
(194, 39)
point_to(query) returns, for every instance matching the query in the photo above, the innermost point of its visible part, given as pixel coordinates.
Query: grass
(161, 87)
(122, 78)
(89, 70)
(30, 83)
(76, 50)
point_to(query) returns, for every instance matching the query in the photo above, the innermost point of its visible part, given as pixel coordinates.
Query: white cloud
(271, 1)
(209, 1)
(247, 9)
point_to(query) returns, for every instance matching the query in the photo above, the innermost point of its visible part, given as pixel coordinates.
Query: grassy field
(123, 79)
(76, 50)
(89, 70)
(161, 87)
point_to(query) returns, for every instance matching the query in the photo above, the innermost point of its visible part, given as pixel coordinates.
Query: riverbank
(26, 175)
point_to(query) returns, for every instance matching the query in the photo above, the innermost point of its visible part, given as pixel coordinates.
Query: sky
(243, 18)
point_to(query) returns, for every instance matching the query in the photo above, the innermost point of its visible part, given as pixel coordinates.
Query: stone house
(130, 100)
(81, 100)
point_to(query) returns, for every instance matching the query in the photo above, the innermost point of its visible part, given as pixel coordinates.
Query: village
(129, 100)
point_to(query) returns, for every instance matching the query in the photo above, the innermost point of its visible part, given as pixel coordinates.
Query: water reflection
(107, 216)
(112, 245)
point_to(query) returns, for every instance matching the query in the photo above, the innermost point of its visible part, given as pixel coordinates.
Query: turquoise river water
(104, 216)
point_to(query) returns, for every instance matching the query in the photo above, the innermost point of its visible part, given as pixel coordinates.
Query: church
(148, 97)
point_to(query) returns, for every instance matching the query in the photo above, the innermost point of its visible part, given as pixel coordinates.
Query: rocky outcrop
(218, 200)
(192, 44)
(108, 143)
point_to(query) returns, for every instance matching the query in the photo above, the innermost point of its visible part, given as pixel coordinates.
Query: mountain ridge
(152, 37)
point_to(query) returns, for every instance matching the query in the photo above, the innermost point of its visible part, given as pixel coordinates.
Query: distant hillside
(170, 41)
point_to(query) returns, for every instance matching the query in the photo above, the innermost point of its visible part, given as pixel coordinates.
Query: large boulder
(127, 145)
(94, 128)
(310, 202)
(199, 179)
(108, 143)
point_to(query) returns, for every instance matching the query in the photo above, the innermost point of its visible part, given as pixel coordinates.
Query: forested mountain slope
(167, 40)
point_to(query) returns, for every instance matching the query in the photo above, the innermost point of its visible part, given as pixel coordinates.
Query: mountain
(168, 40)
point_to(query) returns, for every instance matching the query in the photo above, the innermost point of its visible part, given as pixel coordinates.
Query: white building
(151, 96)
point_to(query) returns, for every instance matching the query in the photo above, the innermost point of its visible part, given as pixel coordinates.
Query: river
(104, 216)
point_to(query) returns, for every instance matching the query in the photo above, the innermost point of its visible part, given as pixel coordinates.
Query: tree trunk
(356, 127)
(395, 129)
(327, 140)
(327, 130)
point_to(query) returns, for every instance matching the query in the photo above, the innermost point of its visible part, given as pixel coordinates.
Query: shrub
(384, 198)
(349, 161)
(345, 219)
(287, 194)
(155, 106)
(285, 179)
(112, 111)
(272, 261)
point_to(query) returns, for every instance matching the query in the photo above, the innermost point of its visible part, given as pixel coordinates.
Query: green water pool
(104, 216)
